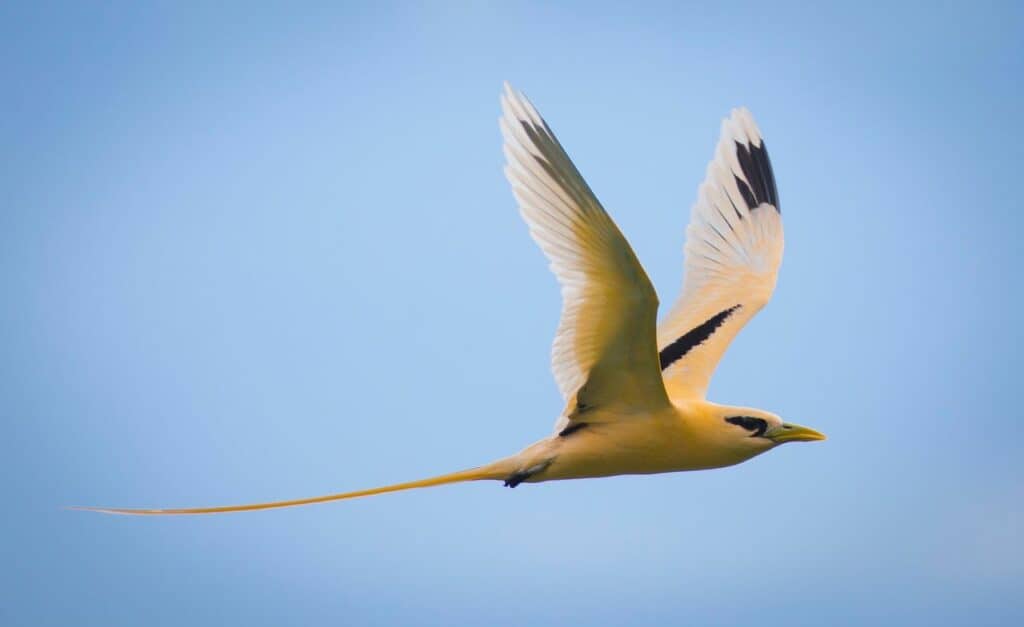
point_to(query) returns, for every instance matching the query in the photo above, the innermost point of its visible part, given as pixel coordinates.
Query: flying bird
(634, 389)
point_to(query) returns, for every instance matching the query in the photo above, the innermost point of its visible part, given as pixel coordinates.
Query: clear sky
(250, 254)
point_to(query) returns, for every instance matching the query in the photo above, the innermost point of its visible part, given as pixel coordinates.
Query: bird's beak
(793, 433)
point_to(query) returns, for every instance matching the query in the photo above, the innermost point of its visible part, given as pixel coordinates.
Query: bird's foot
(520, 476)
(516, 478)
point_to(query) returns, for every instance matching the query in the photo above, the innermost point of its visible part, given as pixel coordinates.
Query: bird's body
(634, 389)
(676, 438)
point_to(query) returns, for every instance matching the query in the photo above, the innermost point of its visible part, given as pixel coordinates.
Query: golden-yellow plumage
(633, 389)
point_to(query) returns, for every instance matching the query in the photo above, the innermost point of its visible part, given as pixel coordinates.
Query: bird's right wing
(604, 351)
(732, 255)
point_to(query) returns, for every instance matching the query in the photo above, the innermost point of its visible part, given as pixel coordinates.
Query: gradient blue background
(250, 254)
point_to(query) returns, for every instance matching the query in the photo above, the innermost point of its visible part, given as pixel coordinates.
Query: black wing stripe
(694, 337)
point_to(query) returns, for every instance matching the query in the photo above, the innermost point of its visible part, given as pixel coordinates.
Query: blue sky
(251, 254)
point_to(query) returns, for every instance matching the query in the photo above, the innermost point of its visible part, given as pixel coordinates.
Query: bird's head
(761, 430)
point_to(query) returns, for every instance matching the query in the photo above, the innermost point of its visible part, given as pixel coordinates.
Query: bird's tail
(490, 471)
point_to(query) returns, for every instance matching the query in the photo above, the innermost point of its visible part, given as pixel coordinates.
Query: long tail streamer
(473, 474)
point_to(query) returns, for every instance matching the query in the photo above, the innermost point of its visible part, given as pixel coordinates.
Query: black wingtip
(759, 186)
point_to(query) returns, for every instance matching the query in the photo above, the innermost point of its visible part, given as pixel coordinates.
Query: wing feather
(605, 350)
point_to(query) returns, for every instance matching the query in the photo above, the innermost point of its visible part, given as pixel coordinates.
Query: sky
(253, 253)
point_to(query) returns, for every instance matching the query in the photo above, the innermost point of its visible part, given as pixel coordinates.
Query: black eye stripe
(757, 425)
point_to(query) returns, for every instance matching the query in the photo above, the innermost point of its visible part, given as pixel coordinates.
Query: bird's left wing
(604, 351)
(733, 250)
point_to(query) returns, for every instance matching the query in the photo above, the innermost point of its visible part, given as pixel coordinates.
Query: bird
(634, 389)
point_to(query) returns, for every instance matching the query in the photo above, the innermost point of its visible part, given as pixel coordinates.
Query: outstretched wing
(604, 351)
(732, 255)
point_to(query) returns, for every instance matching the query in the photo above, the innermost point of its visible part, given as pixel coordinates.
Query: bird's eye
(757, 425)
